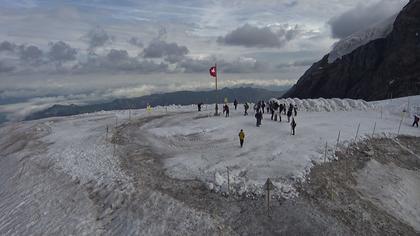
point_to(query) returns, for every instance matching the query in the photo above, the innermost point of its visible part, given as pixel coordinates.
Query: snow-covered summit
(360, 38)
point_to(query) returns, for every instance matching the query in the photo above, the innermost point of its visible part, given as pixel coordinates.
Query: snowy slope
(61, 176)
(393, 188)
(65, 169)
(204, 147)
(360, 38)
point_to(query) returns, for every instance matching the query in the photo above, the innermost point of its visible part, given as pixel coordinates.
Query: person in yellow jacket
(241, 137)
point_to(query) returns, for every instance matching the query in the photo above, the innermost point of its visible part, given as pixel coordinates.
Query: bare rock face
(383, 68)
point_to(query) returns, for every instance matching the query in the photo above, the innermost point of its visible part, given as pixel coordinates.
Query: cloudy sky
(85, 51)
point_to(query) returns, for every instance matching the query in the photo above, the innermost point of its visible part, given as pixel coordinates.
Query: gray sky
(84, 51)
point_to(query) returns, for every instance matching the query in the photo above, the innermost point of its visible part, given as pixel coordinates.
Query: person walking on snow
(293, 125)
(199, 106)
(258, 116)
(235, 103)
(263, 106)
(241, 137)
(289, 112)
(226, 109)
(416, 120)
(246, 107)
(272, 112)
(295, 109)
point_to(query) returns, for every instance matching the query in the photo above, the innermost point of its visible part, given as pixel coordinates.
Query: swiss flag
(213, 71)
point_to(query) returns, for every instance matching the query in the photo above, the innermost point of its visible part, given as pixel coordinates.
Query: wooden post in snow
(399, 127)
(338, 140)
(357, 132)
(228, 181)
(374, 127)
(325, 154)
(268, 186)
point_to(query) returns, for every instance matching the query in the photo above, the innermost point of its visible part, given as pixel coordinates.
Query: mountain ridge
(178, 98)
(383, 68)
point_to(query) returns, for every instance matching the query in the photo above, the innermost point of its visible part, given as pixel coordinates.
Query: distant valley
(242, 94)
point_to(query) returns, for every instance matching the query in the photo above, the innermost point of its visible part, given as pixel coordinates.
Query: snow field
(204, 148)
(200, 146)
(80, 147)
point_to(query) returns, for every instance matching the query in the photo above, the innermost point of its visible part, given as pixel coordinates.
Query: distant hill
(388, 66)
(178, 98)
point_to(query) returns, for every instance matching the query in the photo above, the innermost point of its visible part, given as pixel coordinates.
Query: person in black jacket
(258, 116)
(416, 121)
(226, 109)
(263, 106)
(293, 125)
(246, 107)
(289, 112)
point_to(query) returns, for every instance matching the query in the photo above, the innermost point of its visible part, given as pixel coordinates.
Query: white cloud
(102, 53)
(364, 16)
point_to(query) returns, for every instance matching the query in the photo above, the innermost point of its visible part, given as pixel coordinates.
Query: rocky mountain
(178, 98)
(385, 67)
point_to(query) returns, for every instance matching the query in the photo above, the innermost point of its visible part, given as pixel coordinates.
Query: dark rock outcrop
(383, 68)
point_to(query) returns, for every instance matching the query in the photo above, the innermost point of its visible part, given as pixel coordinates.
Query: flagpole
(217, 95)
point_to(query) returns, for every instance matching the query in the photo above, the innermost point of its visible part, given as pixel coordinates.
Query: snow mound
(350, 43)
(326, 105)
(397, 106)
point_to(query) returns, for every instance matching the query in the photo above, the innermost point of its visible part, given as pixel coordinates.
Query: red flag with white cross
(213, 71)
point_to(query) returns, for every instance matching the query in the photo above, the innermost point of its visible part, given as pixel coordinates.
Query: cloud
(362, 17)
(98, 37)
(239, 65)
(136, 42)
(30, 54)
(30, 59)
(251, 36)
(117, 55)
(118, 61)
(4, 68)
(274, 36)
(300, 63)
(7, 46)
(159, 49)
(292, 3)
(61, 52)
(289, 32)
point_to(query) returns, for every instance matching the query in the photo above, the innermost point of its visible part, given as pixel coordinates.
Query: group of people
(262, 107)
(276, 111)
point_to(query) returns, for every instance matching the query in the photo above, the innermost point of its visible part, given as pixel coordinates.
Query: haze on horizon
(85, 51)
